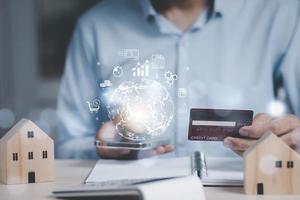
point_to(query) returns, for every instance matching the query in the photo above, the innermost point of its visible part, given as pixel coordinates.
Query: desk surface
(73, 172)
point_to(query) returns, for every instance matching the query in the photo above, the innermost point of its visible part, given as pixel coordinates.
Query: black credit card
(217, 124)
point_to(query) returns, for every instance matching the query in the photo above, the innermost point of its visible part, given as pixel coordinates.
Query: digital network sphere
(141, 110)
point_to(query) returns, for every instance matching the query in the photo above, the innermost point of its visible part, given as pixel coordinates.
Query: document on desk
(220, 171)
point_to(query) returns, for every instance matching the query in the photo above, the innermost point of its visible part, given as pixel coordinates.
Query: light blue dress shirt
(232, 60)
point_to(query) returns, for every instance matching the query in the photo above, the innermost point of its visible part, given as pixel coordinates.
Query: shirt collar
(223, 7)
(220, 7)
(147, 9)
(200, 22)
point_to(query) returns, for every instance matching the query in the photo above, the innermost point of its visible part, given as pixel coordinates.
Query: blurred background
(34, 36)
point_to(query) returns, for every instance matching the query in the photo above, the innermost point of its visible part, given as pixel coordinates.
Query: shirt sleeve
(76, 125)
(290, 69)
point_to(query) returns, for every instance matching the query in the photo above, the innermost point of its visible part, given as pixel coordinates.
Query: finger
(240, 153)
(160, 150)
(278, 126)
(168, 148)
(238, 144)
(112, 153)
(285, 124)
(292, 138)
(261, 118)
(259, 126)
(255, 131)
(288, 139)
(164, 149)
(107, 130)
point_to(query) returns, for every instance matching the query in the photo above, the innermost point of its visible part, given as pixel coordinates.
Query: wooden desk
(73, 172)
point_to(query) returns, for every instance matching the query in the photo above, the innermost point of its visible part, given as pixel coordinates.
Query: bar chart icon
(141, 70)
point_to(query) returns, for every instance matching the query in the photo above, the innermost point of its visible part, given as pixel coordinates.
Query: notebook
(169, 178)
(188, 187)
(219, 171)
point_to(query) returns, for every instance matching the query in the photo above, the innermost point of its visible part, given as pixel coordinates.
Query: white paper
(224, 171)
(151, 168)
(189, 187)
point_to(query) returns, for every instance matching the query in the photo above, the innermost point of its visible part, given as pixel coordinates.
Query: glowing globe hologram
(141, 110)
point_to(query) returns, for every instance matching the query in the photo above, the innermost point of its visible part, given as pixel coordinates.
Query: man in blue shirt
(226, 53)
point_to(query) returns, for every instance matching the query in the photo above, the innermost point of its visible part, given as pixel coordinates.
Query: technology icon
(170, 77)
(158, 61)
(182, 92)
(133, 54)
(94, 106)
(118, 71)
(105, 83)
(141, 70)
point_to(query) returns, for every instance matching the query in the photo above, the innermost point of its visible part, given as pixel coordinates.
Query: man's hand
(286, 127)
(108, 130)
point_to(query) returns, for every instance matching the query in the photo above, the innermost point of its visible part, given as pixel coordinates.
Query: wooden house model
(271, 167)
(26, 155)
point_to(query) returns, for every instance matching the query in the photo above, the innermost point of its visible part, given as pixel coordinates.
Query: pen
(197, 163)
(200, 164)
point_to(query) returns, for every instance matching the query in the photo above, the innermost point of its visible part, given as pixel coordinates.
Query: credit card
(217, 124)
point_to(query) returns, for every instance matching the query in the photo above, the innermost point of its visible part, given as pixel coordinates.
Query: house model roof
(22, 124)
(266, 137)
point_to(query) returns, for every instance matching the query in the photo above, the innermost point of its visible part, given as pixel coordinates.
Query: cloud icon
(106, 83)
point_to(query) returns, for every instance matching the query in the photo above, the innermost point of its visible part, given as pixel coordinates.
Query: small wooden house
(26, 155)
(271, 167)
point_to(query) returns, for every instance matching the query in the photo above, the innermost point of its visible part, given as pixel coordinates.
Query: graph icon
(158, 61)
(133, 54)
(141, 70)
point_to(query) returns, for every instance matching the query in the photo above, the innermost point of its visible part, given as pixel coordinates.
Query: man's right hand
(108, 130)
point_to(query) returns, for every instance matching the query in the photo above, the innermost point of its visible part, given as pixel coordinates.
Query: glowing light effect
(141, 110)
(276, 108)
(267, 164)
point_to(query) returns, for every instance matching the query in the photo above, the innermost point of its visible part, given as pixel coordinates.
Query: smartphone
(132, 145)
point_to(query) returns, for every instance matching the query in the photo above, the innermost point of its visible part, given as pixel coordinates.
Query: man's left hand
(286, 127)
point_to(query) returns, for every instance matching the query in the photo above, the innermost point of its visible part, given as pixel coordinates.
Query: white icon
(98, 63)
(105, 83)
(141, 70)
(94, 106)
(182, 92)
(188, 68)
(158, 61)
(170, 77)
(133, 54)
(118, 71)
